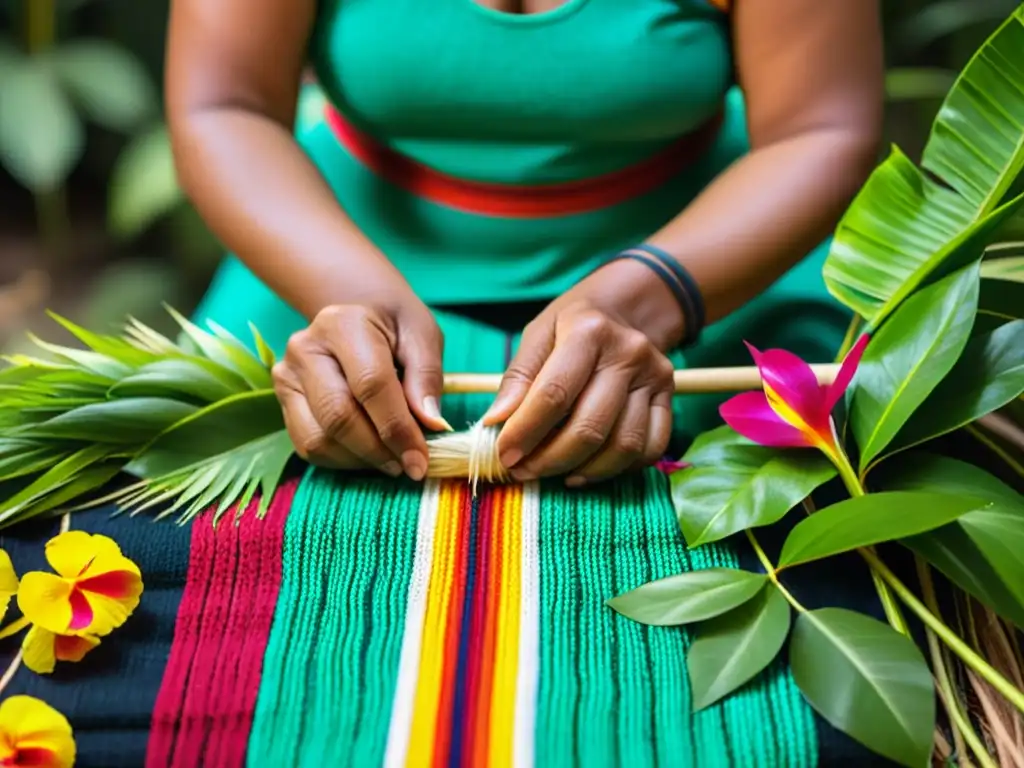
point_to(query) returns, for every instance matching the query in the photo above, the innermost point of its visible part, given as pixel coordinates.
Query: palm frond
(911, 225)
(196, 421)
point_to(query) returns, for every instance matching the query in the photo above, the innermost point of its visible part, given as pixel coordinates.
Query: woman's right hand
(344, 404)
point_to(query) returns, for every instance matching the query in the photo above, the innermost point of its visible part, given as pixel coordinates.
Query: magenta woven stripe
(204, 710)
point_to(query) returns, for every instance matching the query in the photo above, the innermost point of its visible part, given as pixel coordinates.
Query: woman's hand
(589, 394)
(344, 404)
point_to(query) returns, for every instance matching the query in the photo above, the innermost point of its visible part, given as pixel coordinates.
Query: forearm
(266, 201)
(765, 213)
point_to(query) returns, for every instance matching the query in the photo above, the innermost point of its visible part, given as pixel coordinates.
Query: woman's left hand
(589, 394)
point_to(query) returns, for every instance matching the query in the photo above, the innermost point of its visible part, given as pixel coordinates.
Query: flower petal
(38, 650)
(120, 585)
(73, 647)
(71, 552)
(752, 416)
(107, 613)
(45, 600)
(792, 381)
(835, 391)
(37, 731)
(8, 577)
(81, 611)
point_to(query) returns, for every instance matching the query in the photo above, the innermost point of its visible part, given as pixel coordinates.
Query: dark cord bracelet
(679, 281)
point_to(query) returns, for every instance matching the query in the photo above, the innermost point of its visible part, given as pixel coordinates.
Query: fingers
(537, 343)
(659, 426)
(364, 351)
(311, 441)
(419, 351)
(549, 400)
(587, 430)
(331, 403)
(626, 445)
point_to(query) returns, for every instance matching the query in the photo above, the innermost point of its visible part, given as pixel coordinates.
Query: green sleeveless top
(587, 89)
(590, 88)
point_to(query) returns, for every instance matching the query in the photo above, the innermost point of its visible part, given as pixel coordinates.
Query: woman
(486, 159)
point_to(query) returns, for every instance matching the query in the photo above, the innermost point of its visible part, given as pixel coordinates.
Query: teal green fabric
(614, 692)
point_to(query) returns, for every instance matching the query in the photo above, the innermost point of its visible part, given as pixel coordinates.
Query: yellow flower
(34, 733)
(94, 592)
(42, 649)
(8, 582)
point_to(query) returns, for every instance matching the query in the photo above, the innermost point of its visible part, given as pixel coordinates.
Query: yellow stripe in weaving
(506, 655)
(432, 651)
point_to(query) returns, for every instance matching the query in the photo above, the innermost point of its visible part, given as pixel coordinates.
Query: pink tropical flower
(793, 410)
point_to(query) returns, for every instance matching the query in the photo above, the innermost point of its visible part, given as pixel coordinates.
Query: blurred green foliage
(80, 84)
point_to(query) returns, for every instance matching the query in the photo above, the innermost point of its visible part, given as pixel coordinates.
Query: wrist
(635, 295)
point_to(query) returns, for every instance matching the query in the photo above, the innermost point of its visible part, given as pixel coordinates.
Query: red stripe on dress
(204, 710)
(524, 201)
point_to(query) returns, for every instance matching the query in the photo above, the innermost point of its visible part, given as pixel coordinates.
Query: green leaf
(909, 225)
(224, 349)
(112, 347)
(108, 82)
(1004, 269)
(735, 484)
(913, 83)
(988, 375)
(53, 479)
(908, 357)
(1003, 299)
(688, 597)
(84, 482)
(207, 432)
(143, 185)
(222, 480)
(871, 519)
(867, 680)
(128, 421)
(41, 137)
(732, 648)
(175, 378)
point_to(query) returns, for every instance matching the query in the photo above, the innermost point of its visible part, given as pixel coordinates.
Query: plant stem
(11, 669)
(773, 575)
(961, 723)
(40, 24)
(856, 488)
(997, 449)
(955, 644)
(850, 339)
(52, 217)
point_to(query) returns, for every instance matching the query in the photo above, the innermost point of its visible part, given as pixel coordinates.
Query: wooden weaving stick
(687, 381)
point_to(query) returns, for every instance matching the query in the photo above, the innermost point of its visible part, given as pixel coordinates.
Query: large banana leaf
(911, 224)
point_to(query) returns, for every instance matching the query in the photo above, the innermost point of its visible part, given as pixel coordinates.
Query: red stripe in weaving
(480, 601)
(450, 666)
(205, 707)
(524, 201)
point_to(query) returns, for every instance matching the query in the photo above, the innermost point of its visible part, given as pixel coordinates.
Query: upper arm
(237, 53)
(808, 65)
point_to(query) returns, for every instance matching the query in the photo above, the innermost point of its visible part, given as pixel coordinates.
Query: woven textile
(365, 622)
(426, 627)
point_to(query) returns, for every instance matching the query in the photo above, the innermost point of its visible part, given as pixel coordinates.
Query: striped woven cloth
(367, 623)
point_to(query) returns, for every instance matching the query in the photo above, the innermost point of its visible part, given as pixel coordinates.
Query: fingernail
(415, 466)
(575, 481)
(510, 457)
(522, 476)
(392, 468)
(431, 408)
